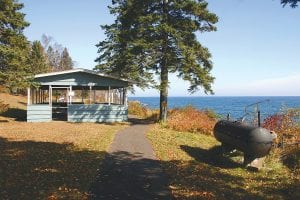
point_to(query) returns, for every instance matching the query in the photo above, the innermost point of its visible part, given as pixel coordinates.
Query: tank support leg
(226, 148)
(251, 162)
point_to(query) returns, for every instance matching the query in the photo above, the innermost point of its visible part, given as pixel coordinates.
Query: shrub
(191, 120)
(136, 108)
(286, 125)
(3, 107)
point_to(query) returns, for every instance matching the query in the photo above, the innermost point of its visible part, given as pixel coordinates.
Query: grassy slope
(197, 171)
(17, 107)
(14, 101)
(49, 160)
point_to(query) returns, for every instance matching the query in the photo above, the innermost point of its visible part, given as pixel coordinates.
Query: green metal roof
(81, 77)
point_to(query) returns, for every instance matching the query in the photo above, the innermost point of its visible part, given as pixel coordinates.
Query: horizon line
(223, 96)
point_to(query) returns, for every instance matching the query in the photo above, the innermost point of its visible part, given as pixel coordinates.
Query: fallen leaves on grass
(196, 171)
(56, 160)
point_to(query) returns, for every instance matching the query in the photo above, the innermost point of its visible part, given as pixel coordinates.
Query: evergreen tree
(66, 61)
(159, 37)
(38, 59)
(14, 47)
(118, 54)
(292, 3)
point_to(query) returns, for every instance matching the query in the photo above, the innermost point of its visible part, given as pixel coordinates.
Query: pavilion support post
(28, 96)
(120, 100)
(82, 95)
(40, 96)
(36, 96)
(125, 100)
(43, 96)
(123, 95)
(94, 96)
(31, 96)
(112, 96)
(70, 94)
(50, 95)
(90, 95)
(109, 95)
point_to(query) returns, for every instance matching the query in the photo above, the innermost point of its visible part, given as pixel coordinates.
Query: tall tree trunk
(163, 92)
(164, 82)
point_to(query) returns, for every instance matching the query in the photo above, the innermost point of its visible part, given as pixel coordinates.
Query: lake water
(235, 106)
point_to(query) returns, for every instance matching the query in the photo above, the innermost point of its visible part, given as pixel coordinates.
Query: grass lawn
(196, 170)
(56, 160)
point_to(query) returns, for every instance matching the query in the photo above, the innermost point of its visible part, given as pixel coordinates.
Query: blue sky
(256, 49)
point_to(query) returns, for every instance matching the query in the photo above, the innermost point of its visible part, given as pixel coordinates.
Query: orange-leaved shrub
(191, 119)
(3, 107)
(285, 125)
(136, 108)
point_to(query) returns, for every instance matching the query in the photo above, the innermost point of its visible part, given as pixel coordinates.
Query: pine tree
(14, 47)
(158, 37)
(292, 3)
(65, 60)
(38, 59)
(118, 54)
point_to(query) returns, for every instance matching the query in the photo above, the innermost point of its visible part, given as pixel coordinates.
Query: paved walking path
(131, 170)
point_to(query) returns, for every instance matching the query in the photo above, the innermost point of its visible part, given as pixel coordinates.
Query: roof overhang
(82, 70)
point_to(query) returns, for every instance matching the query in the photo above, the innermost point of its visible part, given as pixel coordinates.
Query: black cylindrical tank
(253, 141)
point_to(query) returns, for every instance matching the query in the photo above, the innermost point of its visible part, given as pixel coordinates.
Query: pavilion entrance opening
(61, 98)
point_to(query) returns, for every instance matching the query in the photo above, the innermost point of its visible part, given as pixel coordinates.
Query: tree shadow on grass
(16, 113)
(39, 170)
(288, 189)
(124, 175)
(212, 156)
(130, 176)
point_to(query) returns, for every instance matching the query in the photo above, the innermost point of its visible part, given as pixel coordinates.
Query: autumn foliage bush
(190, 119)
(136, 108)
(3, 107)
(287, 127)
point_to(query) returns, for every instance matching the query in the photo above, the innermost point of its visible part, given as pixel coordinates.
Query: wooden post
(125, 97)
(70, 94)
(112, 96)
(28, 96)
(108, 95)
(120, 100)
(94, 96)
(50, 95)
(90, 95)
(40, 94)
(43, 96)
(82, 95)
(36, 97)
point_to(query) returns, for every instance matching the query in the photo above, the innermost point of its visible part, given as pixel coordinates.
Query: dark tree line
(20, 59)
